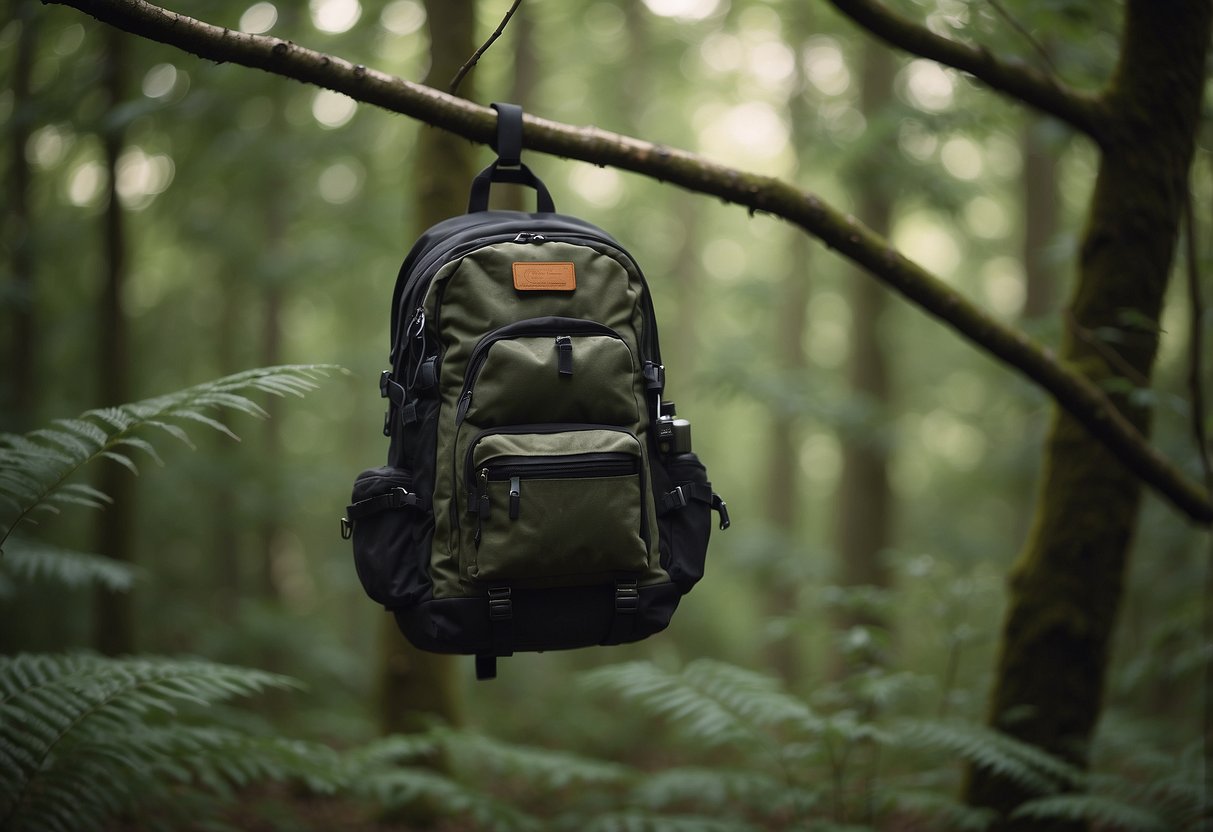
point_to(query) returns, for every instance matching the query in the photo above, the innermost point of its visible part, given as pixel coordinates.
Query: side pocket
(390, 525)
(685, 520)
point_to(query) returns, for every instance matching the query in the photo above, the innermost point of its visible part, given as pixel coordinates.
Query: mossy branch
(1072, 391)
(1040, 90)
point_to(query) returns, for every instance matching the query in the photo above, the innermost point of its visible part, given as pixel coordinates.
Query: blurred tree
(17, 393)
(114, 624)
(415, 686)
(1067, 584)
(865, 499)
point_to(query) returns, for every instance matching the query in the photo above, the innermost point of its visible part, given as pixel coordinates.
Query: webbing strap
(627, 605)
(509, 134)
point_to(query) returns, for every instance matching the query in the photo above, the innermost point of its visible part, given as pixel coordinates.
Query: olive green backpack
(539, 494)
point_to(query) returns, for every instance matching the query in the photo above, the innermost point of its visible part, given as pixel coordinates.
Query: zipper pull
(527, 237)
(482, 510)
(515, 496)
(461, 411)
(564, 355)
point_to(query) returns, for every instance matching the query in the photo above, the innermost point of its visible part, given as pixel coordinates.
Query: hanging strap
(508, 167)
(509, 135)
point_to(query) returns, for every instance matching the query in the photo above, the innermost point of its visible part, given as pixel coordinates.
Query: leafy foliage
(35, 467)
(83, 738)
(29, 560)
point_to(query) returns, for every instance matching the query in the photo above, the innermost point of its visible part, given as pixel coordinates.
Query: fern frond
(76, 744)
(29, 561)
(943, 810)
(1033, 769)
(1106, 811)
(637, 821)
(713, 703)
(396, 788)
(35, 467)
(723, 790)
(539, 768)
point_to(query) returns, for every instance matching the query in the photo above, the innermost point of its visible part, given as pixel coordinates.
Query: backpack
(538, 493)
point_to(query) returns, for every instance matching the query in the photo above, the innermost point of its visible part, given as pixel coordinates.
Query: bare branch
(472, 61)
(1037, 89)
(1041, 52)
(1072, 391)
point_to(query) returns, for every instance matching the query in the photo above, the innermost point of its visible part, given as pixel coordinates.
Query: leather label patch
(545, 277)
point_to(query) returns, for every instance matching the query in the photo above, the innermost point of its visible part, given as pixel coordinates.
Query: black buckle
(654, 376)
(384, 378)
(676, 499)
(627, 597)
(347, 528)
(501, 608)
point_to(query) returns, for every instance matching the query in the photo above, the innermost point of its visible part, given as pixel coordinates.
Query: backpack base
(535, 620)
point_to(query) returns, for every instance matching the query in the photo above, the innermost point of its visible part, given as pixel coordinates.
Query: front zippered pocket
(549, 369)
(566, 504)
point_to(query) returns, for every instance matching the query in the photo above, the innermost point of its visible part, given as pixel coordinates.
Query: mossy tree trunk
(415, 686)
(1066, 586)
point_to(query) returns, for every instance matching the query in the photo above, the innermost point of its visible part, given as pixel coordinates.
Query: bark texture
(1066, 586)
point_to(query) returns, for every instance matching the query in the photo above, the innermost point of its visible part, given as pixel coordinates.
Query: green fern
(721, 791)
(35, 467)
(639, 821)
(82, 737)
(1108, 812)
(711, 702)
(1022, 763)
(29, 560)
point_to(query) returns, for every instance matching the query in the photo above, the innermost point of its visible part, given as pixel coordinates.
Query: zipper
(531, 326)
(576, 466)
(470, 471)
(424, 272)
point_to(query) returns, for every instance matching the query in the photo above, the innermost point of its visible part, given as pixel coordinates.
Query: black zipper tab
(515, 496)
(564, 355)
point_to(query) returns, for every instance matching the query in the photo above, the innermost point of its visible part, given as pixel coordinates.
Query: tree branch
(472, 61)
(1030, 86)
(1072, 391)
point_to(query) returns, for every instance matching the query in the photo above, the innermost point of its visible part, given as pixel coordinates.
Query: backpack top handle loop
(508, 167)
(509, 135)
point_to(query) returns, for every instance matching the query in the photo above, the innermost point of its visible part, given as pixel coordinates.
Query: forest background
(170, 220)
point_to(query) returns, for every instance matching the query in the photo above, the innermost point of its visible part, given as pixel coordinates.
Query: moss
(1066, 586)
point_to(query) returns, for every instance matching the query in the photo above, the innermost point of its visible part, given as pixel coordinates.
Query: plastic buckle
(347, 528)
(677, 498)
(427, 378)
(627, 597)
(654, 376)
(501, 608)
(384, 378)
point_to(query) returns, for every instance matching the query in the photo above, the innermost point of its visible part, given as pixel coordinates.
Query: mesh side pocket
(391, 527)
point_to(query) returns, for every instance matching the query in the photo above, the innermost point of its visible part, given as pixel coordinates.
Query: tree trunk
(18, 395)
(414, 685)
(865, 498)
(1066, 586)
(114, 631)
